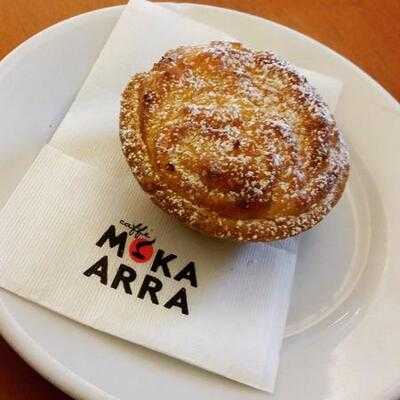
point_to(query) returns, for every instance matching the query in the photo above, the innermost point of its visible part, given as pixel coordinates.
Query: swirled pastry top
(234, 142)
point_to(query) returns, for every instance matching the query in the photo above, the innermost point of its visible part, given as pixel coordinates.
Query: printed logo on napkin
(214, 304)
(139, 245)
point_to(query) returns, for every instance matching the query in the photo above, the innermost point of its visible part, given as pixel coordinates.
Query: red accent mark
(141, 249)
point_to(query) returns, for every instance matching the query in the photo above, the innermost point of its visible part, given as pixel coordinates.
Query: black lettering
(133, 228)
(114, 240)
(142, 234)
(99, 268)
(179, 300)
(189, 273)
(140, 228)
(150, 285)
(126, 275)
(161, 261)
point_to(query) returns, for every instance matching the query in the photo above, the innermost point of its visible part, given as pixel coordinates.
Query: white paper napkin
(221, 306)
(231, 318)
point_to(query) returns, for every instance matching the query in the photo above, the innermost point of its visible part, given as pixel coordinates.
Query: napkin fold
(79, 236)
(69, 241)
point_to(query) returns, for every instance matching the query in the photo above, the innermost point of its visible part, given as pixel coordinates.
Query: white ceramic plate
(342, 339)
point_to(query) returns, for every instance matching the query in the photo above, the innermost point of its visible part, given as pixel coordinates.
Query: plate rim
(17, 338)
(31, 352)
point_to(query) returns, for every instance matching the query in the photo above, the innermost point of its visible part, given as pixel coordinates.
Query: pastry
(233, 142)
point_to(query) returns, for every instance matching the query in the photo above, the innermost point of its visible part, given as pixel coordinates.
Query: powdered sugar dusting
(236, 133)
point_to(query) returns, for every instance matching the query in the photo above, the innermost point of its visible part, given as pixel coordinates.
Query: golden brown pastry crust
(234, 142)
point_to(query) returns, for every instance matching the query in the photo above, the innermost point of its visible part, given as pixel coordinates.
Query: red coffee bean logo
(141, 249)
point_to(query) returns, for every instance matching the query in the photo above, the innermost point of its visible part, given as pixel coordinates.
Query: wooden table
(365, 31)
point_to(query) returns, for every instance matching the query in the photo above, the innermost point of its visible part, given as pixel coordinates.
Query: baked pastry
(234, 142)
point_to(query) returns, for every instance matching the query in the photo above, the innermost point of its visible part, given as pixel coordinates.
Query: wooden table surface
(365, 31)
